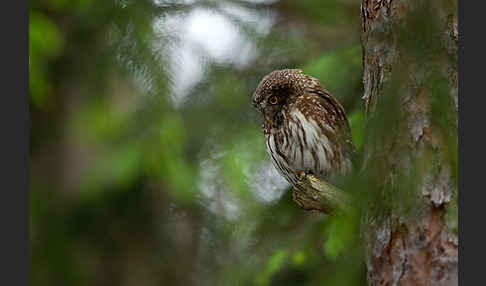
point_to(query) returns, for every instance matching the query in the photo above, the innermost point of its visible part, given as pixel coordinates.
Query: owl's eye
(273, 99)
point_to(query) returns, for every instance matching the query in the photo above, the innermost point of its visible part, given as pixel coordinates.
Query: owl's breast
(301, 144)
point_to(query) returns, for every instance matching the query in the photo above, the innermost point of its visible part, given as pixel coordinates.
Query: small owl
(305, 127)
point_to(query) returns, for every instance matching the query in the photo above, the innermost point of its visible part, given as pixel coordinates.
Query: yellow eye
(273, 100)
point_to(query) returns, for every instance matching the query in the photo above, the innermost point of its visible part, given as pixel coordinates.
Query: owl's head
(275, 90)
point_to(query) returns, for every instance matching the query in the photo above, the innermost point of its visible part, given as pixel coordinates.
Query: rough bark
(410, 160)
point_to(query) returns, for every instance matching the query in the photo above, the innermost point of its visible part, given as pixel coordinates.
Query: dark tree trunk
(410, 154)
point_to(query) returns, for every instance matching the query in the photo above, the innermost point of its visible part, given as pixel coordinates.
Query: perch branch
(312, 193)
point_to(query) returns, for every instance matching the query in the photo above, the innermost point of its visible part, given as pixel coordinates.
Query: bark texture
(410, 91)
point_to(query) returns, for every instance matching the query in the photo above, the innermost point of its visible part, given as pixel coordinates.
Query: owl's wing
(336, 113)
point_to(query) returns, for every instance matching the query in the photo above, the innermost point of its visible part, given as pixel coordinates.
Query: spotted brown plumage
(305, 127)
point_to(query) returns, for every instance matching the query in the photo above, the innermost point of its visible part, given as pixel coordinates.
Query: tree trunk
(410, 153)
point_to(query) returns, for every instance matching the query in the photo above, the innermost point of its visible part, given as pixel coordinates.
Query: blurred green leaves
(167, 157)
(115, 168)
(341, 234)
(275, 262)
(340, 71)
(329, 12)
(76, 5)
(45, 39)
(45, 44)
(245, 153)
(299, 258)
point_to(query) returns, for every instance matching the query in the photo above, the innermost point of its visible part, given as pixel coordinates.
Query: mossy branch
(313, 193)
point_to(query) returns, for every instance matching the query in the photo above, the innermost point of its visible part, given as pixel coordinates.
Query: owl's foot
(301, 175)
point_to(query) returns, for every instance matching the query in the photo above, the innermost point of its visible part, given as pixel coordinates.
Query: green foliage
(340, 233)
(330, 12)
(76, 5)
(45, 44)
(116, 167)
(299, 258)
(340, 71)
(170, 160)
(275, 262)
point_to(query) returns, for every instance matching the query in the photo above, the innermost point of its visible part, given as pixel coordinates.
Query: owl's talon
(301, 175)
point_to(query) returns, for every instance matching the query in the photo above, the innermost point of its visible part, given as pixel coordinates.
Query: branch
(312, 193)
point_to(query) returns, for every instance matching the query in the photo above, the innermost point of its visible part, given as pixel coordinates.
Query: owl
(305, 127)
